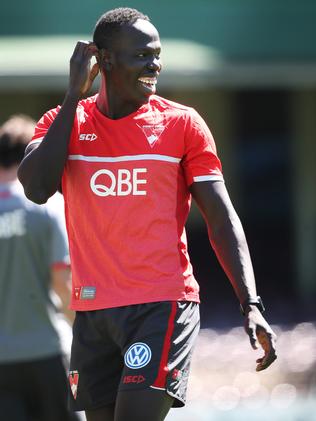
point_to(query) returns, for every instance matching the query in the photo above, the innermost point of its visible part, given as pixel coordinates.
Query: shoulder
(85, 106)
(49, 116)
(84, 109)
(176, 110)
(167, 104)
(87, 103)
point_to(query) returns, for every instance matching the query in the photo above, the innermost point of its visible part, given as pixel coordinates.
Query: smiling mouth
(148, 82)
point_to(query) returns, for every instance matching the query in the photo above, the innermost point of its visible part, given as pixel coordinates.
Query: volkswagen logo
(137, 356)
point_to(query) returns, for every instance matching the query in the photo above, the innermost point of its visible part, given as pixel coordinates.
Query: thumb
(253, 338)
(94, 72)
(92, 75)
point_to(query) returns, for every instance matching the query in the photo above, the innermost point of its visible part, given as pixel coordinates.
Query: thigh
(142, 405)
(157, 352)
(101, 414)
(95, 365)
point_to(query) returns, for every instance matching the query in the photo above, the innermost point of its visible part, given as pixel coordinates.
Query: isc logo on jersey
(87, 136)
(122, 182)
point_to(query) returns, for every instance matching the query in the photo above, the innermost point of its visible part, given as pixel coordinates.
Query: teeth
(149, 80)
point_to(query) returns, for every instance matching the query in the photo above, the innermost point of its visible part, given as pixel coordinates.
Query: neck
(8, 175)
(102, 100)
(111, 105)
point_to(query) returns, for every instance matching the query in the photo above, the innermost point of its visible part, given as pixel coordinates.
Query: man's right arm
(41, 170)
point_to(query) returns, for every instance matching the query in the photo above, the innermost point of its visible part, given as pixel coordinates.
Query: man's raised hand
(82, 74)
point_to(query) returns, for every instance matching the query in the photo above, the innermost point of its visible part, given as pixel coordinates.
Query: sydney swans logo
(152, 132)
(73, 378)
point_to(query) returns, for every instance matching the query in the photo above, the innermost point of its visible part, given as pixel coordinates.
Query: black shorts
(129, 348)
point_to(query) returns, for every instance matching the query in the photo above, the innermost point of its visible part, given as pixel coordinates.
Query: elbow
(31, 190)
(37, 197)
(39, 200)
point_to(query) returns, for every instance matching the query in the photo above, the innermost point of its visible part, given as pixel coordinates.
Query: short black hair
(111, 22)
(15, 134)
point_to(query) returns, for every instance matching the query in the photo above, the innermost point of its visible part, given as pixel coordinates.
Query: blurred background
(249, 68)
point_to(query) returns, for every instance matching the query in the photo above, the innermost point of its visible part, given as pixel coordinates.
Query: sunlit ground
(225, 386)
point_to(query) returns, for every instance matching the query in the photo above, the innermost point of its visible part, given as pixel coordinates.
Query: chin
(144, 99)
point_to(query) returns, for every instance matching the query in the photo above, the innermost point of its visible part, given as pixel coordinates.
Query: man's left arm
(229, 243)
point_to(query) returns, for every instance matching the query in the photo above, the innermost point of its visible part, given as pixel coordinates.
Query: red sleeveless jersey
(126, 194)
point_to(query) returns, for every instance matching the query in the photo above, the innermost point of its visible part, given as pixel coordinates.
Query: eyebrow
(148, 49)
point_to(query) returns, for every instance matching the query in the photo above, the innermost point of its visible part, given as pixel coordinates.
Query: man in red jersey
(128, 162)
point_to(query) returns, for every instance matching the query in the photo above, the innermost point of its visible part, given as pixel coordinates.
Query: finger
(80, 52)
(266, 334)
(267, 342)
(267, 359)
(254, 343)
(85, 49)
(90, 50)
(93, 48)
(82, 45)
(268, 347)
(264, 341)
(76, 49)
(266, 362)
(252, 337)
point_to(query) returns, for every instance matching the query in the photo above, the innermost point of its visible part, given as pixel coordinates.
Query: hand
(81, 75)
(260, 332)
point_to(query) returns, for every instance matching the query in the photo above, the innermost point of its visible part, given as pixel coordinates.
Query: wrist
(250, 304)
(249, 308)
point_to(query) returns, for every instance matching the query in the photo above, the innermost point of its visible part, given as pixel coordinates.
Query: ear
(104, 59)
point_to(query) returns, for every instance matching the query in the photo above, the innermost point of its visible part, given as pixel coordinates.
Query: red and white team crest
(152, 132)
(73, 381)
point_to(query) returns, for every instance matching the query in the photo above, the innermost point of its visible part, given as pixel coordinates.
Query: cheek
(130, 65)
(125, 72)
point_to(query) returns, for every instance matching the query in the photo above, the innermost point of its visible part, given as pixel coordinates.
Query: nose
(154, 64)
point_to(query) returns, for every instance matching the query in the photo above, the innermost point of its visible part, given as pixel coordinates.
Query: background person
(128, 162)
(33, 258)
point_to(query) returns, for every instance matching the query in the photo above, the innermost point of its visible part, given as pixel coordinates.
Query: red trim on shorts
(163, 366)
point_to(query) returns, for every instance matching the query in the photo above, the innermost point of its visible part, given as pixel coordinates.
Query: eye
(145, 54)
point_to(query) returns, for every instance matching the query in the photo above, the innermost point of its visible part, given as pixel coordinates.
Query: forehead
(140, 34)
